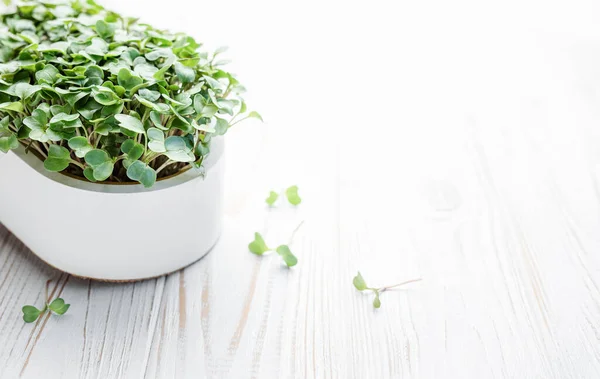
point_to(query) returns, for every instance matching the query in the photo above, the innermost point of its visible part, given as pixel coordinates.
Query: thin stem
(78, 164)
(294, 232)
(150, 156)
(122, 156)
(238, 121)
(145, 116)
(168, 162)
(382, 289)
(37, 147)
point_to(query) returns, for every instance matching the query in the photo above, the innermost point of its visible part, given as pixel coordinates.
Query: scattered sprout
(360, 284)
(258, 246)
(56, 306)
(291, 194)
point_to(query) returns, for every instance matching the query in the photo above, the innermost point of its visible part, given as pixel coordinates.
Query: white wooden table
(454, 142)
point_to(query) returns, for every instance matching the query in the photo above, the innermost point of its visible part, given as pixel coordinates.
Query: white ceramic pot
(112, 232)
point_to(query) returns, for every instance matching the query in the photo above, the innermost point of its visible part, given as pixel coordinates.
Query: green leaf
(185, 74)
(96, 157)
(30, 313)
(158, 107)
(258, 246)
(149, 95)
(63, 120)
(146, 71)
(220, 50)
(221, 127)
(8, 143)
(37, 120)
(89, 174)
(128, 80)
(130, 123)
(156, 120)
(104, 29)
(15, 107)
(80, 145)
(29, 318)
(99, 47)
(213, 83)
(203, 127)
(127, 145)
(133, 150)
(48, 75)
(178, 149)
(102, 95)
(94, 75)
(4, 123)
(101, 163)
(359, 282)
(292, 195)
(104, 171)
(58, 306)
(159, 53)
(103, 129)
(376, 301)
(255, 114)
(285, 253)
(156, 140)
(272, 198)
(209, 111)
(141, 172)
(58, 159)
(23, 90)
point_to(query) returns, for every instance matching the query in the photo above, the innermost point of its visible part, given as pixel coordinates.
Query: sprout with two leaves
(361, 285)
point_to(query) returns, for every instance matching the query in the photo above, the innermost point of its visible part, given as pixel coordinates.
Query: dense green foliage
(104, 97)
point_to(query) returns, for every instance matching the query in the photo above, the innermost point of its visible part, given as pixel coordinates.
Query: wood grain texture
(469, 158)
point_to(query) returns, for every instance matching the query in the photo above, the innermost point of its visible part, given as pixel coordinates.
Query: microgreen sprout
(291, 194)
(260, 247)
(361, 285)
(104, 97)
(58, 306)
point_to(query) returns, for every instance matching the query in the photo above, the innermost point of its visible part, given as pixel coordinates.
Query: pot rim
(37, 165)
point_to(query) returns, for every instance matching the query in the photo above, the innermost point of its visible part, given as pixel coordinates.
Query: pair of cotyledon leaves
(259, 247)
(57, 306)
(361, 285)
(291, 193)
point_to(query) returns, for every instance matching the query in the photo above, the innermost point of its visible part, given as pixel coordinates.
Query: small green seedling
(57, 306)
(291, 194)
(260, 247)
(361, 285)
